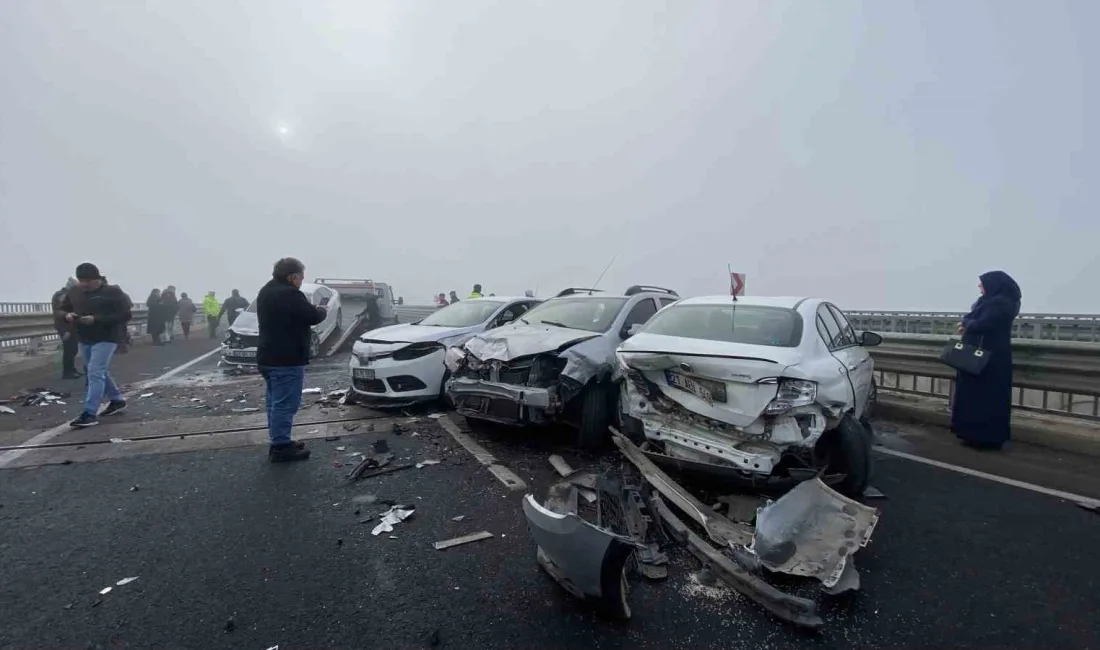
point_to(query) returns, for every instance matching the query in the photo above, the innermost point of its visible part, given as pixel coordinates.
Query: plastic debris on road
(392, 517)
(458, 518)
(311, 391)
(104, 591)
(426, 462)
(7, 410)
(145, 395)
(251, 409)
(465, 539)
(125, 581)
(436, 416)
(341, 448)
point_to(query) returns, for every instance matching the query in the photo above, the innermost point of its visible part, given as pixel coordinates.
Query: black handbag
(971, 359)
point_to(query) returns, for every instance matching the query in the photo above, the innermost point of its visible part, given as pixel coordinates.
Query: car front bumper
(245, 357)
(500, 402)
(386, 380)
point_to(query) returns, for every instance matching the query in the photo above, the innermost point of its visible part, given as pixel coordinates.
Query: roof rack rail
(639, 288)
(572, 291)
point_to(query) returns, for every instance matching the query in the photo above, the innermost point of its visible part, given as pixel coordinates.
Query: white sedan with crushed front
(403, 364)
(768, 391)
(243, 336)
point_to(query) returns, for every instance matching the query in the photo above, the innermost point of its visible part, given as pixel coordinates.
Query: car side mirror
(870, 339)
(631, 330)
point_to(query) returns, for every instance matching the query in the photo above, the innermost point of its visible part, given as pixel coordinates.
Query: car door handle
(856, 365)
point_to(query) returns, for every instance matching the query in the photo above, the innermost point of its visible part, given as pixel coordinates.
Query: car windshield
(591, 314)
(751, 324)
(252, 307)
(463, 314)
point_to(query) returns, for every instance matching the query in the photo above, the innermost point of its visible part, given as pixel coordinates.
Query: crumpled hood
(247, 324)
(409, 333)
(522, 340)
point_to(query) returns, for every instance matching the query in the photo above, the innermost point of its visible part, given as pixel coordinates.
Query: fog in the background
(881, 154)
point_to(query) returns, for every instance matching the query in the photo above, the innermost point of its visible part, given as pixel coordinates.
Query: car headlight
(792, 393)
(416, 351)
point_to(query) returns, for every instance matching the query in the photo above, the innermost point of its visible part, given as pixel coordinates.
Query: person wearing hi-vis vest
(476, 293)
(213, 311)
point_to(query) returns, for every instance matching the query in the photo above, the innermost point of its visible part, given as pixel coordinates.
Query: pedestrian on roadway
(233, 306)
(454, 297)
(154, 316)
(67, 333)
(213, 312)
(286, 319)
(441, 301)
(476, 293)
(99, 312)
(981, 410)
(171, 307)
(186, 313)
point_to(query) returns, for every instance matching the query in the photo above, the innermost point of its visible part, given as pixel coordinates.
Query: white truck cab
(358, 290)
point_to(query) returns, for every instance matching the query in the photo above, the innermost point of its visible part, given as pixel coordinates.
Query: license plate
(363, 373)
(710, 391)
(243, 354)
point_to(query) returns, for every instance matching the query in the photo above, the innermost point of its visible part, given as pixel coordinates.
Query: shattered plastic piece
(7, 410)
(374, 461)
(274, 647)
(391, 517)
(250, 409)
(311, 391)
(226, 401)
(872, 492)
(458, 518)
(426, 462)
(125, 581)
(465, 539)
(134, 488)
(104, 591)
(436, 416)
(849, 580)
(812, 531)
(144, 395)
(341, 448)
(588, 562)
(195, 399)
(559, 465)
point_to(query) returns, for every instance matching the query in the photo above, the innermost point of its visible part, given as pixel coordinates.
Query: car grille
(405, 383)
(240, 341)
(369, 385)
(515, 375)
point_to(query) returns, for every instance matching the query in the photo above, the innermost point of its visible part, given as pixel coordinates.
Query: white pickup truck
(358, 290)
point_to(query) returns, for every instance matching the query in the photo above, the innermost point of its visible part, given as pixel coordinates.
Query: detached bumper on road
(499, 402)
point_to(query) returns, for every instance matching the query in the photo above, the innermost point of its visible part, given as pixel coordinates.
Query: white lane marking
(503, 474)
(1068, 496)
(7, 457)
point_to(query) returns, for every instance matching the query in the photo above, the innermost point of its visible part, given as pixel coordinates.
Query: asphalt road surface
(230, 551)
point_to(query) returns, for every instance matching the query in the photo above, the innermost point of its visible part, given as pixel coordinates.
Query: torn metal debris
(465, 539)
(392, 517)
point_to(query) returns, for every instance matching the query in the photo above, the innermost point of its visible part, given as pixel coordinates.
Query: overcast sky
(881, 154)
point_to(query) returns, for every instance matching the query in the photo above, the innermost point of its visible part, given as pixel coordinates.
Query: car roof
(498, 298)
(787, 302)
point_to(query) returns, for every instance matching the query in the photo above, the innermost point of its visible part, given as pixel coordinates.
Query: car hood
(522, 340)
(246, 324)
(410, 333)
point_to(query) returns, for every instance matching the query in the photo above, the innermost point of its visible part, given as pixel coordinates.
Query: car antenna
(597, 282)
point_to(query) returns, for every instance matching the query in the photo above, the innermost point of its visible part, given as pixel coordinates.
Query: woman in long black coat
(155, 316)
(981, 413)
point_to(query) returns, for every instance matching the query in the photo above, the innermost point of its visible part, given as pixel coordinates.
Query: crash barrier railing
(1050, 327)
(410, 313)
(1054, 377)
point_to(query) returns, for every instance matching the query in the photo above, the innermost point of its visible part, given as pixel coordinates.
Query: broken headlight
(453, 359)
(792, 393)
(416, 350)
(233, 340)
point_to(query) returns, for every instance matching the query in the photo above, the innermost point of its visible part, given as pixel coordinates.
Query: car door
(840, 347)
(316, 299)
(861, 368)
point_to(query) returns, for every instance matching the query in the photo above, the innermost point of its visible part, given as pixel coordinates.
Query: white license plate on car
(243, 354)
(698, 388)
(363, 373)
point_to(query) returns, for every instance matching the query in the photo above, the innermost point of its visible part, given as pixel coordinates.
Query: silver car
(555, 363)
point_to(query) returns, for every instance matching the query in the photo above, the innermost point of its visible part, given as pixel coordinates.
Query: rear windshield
(463, 314)
(590, 314)
(751, 324)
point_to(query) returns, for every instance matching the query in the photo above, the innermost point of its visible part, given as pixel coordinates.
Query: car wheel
(596, 413)
(314, 345)
(848, 448)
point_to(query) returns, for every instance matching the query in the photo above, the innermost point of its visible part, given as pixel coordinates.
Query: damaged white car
(243, 336)
(767, 391)
(556, 363)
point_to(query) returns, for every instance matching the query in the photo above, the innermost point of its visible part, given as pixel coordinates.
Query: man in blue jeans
(286, 319)
(99, 312)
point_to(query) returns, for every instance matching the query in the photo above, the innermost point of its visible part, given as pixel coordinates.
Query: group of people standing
(164, 308)
(442, 301)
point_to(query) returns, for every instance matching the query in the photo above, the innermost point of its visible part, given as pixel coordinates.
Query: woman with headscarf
(186, 313)
(981, 412)
(155, 316)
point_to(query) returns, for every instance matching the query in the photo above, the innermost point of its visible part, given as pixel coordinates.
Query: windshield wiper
(554, 324)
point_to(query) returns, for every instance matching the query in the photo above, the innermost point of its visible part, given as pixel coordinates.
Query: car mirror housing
(870, 339)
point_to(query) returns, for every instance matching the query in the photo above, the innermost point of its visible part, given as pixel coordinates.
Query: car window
(730, 323)
(463, 314)
(848, 334)
(665, 302)
(593, 314)
(252, 307)
(640, 313)
(828, 328)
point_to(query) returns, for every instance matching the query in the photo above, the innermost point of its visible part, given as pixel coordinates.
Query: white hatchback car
(768, 390)
(243, 336)
(403, 364)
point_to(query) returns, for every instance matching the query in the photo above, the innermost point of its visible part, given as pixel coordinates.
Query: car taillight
(792, 393)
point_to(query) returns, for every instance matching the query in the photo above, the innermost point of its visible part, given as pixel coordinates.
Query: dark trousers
(212, 326)
(69, 347)
(186, 325)
(284, 396)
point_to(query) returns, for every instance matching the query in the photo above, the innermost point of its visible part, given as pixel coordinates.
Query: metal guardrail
(1048, 327)
(412, 313)
(1055, 377)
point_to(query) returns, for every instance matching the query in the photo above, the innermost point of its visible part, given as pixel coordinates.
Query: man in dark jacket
(99, 312)
(286, 319)
(233, 306)
(67, 333)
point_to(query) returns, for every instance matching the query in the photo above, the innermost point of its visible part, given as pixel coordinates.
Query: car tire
(849, 451)
(596, 414)
(314, 345)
